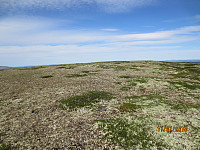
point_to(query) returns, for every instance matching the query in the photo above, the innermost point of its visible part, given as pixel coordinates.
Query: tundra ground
(103, 105)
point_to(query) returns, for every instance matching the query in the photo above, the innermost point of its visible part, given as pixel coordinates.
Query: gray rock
(102, 108)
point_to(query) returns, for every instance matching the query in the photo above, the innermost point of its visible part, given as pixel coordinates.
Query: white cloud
(9, 25)
(39, 38)
(44, 54)
(109, 29)
(44, 32)
(197, 17)
(46, 50)
(122, 5)
(106, 5)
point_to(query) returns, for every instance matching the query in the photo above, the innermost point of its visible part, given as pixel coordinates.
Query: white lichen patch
(153, 84)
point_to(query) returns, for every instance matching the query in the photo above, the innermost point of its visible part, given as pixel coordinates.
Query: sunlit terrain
(103, 105)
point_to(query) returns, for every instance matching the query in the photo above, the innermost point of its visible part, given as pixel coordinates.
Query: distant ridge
(4, 67)
(190, 61)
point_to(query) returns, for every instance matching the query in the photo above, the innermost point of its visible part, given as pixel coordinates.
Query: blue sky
(42, 32)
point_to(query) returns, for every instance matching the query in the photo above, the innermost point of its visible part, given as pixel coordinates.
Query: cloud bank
(44, 32)
(40, 39)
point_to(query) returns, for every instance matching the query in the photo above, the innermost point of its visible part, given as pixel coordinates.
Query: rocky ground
(146, 96)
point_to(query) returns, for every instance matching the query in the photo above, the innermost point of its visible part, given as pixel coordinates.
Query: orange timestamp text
(172, 129)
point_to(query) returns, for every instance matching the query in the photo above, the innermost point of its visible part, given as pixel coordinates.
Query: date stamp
(172, 129)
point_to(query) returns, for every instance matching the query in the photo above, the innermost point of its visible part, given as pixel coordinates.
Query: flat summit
(102, 105)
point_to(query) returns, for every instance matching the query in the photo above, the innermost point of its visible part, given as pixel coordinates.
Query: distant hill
(191, 61)
(4, 67)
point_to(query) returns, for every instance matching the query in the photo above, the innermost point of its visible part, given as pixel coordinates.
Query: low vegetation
(114, 67)
(126, 76)
(185, 84)
(129, 134)
(31, 68)
(85, 99)
(129, 107)
(4, 146)
(118, 82)
(125, 88)
(102, 105)
(61, 68)
(75, 75)
(85, 71)
(47, 76)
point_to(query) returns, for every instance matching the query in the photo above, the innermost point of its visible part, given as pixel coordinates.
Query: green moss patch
(156, 100)
(75, 75)
(117, 82)
(120, 68)
(8, 147)
(105, 66)
(134, 68)
(61, 68)
(66, 66)
(128, 134)
(181, 106)
(185, 84)
(85, 71)
(128, 107)
(132, 84)
(126, 76)
(186, 70)
(47, 76)
(125, 88)
(85, 99)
